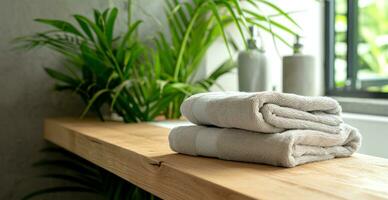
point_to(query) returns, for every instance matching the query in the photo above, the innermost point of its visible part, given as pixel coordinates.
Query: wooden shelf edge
(150, 174)
(139, 153)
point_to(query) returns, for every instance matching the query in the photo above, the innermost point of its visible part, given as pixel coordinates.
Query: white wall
(374, 130)
(309, 15)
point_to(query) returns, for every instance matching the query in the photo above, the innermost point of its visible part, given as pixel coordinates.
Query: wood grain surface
(140, 154)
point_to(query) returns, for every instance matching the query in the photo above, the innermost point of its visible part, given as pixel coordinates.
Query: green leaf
(57, 189)
(99, 19)
(262, 27)
(61, 76)
(60, 87)
(94, 62)
(85, 27)
(271, 22)
(126, 40)
(117, 91)
(118, 191)
(237, 19)
(77, 167)
(226, 67)
(61, 25)
(93, 100)
(215, 11)
(74, 179)
(137, 195)
(110, 24)
(283, 13)
(103, 42)
(185, 41)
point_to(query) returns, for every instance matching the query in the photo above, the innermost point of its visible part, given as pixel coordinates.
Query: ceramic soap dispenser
(252, 67)
(299, 72)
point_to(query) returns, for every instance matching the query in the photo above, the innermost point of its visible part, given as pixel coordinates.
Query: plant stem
(129, 9)
(184, 42)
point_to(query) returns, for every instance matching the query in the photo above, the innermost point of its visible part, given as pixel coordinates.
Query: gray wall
(26, 92)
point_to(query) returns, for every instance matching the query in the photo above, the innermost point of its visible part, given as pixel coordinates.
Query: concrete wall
(26, 92)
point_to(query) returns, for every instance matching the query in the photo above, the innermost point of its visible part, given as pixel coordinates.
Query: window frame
(351, 58)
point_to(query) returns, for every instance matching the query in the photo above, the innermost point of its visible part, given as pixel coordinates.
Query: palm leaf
(82, 176)
(84, 26)
(61, 25)
(61, 76)
(93, 100)
(283, 13)
(110, 24)
(57, 189)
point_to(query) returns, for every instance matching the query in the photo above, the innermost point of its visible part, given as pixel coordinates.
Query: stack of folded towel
(267, 127)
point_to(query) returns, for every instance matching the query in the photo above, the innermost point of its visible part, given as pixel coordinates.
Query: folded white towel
(265, 112)
(287, 149)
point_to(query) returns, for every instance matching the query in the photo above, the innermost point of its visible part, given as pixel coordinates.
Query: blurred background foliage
(372, 45)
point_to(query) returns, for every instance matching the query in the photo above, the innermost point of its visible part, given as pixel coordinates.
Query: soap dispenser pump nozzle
(298, 46)
(252, 43)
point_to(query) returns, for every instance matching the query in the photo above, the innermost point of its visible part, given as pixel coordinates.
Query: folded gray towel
(265, 112)
(287, 149)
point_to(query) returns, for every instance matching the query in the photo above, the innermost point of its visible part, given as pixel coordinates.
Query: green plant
(97, 64)
(140, 83)
(79, 175)
(194, 27)
(98, 68)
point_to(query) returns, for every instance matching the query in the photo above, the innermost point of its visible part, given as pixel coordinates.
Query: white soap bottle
(299, 72)
(252, 67)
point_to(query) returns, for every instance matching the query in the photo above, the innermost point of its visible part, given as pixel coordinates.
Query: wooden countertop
(140, 154)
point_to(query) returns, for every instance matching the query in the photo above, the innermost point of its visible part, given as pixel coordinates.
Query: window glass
(373, 45)
(370, 65)
(341, 28)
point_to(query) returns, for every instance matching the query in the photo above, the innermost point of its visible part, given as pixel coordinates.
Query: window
(356, 51)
